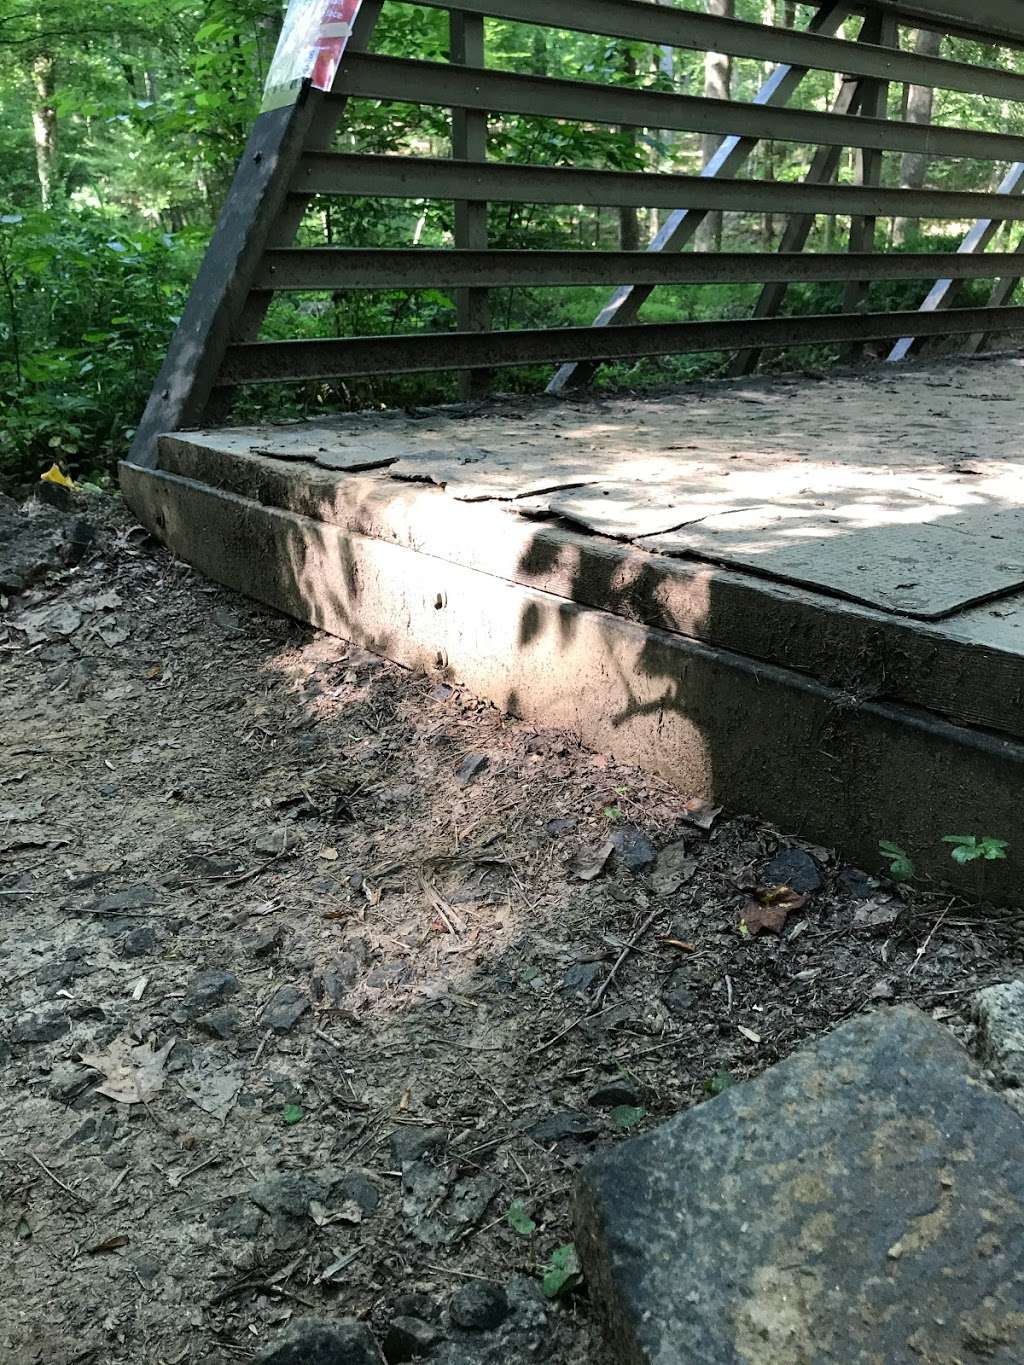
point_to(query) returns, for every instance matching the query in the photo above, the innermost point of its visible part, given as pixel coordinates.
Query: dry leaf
(749, 1033)
(678, 943)
(329, 855)
(108, 1244)
(133, 1072)
(757, 919)
(589, 863)
(701, 813)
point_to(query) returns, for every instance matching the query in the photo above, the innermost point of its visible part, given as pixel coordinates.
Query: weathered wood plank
(966, 668)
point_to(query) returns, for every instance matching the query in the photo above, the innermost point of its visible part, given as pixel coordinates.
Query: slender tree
(920, 100)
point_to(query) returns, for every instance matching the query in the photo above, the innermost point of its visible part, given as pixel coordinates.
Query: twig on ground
(85, 1203)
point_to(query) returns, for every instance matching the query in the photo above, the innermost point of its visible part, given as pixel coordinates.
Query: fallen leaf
(701, 813)
(108, 1244)
(673, 870)
(329, 855)
(677, 943)
(211, 1085)
(590, 862)
(133, 1072)
(749, 1033)
(756, 919)
(56, 475)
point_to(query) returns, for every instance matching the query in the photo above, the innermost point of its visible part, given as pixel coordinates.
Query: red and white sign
(313, 38)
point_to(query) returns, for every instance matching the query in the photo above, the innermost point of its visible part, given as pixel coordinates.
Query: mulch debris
(321, 979)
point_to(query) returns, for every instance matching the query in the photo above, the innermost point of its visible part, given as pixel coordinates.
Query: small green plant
(968, 848)
(293, 1113)
(626, 1116)
(901, 865)
(563, 1272)
(613, 813)
(519, 1220)
(719, 1082)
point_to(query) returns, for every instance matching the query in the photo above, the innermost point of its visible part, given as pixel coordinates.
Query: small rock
(275, 842)
(416, 1306)
(882, 990)
(130, 898)
(561, 825)
(336, 978)
(857, 883)
(471, 766)
(66, 1080)
(795, 868)
(239, 1219)
(220, 1023)
(390, 974)
(581, 977)
(560, 1127)
(40, 1028)
(409, 1339)
(65, 970)
(267, 941)
(633, 850)
(678, 996)
(412, 1144)
(140, 942)
(479, 1307)
(340, 1342)
(289, 1193)
(209, 988)
(287, 1006)
(999, 1013)
(614, 1093)
(357, 1189)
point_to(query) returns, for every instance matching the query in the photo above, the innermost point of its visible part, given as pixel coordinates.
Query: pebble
(581, 977)
(793, 867)
(220, 1023)
(357, 1189)
(479, 1307)
(570, 1124)
(614, 1093)
(209, 988)
(140, 942)
(287, 1006)
(678, 996)
(40, 1028)
(633, 850)
(289, 1193)
(412, 1144)
(409, 1339)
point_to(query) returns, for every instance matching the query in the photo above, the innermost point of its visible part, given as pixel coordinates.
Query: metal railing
(290, 160)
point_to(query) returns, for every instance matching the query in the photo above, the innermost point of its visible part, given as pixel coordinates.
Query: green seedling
(969, 848)
(519, 1220)
(562, 1273)
(901, 865)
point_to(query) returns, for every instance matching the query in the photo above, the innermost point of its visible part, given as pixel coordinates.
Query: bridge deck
(802, 597)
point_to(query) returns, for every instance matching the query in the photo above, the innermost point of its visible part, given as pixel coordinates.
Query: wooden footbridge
(800, 597)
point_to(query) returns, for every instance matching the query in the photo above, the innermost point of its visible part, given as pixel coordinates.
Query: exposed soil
(306, 914)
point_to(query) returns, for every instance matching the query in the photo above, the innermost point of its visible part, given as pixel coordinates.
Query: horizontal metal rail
(330, 268)
(503, 92)
(400, 177)
(265, 362)
(640, 21)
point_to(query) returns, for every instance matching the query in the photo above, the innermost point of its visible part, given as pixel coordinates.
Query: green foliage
(563, 1272)
(626, 1116)
(86, 308)
(968, 848)
(519, 1220)
(719, 1082)
(901, 865)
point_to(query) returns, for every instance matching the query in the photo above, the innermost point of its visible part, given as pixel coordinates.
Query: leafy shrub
(86, 310)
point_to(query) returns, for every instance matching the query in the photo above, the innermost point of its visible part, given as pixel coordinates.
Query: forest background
(120, 125)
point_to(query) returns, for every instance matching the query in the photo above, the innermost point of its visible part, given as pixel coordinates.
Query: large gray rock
(999, 1014)
(861, 1202)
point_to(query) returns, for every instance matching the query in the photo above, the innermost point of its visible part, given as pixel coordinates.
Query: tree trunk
(717, 79)
(44, 124)
(920, 98)
(629, 218)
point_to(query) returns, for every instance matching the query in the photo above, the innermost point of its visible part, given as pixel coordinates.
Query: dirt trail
(316, 981)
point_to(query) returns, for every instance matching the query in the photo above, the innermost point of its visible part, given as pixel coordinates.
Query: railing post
(469, 143)
(881, 29)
